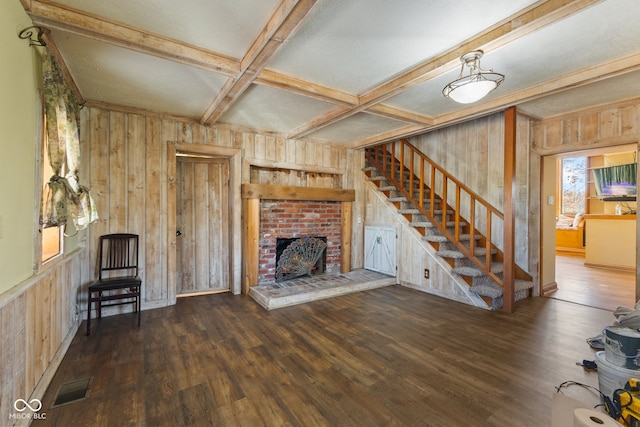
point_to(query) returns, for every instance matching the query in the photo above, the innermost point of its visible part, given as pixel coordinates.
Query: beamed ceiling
(353, 72)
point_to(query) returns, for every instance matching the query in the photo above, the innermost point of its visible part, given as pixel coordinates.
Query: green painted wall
(18, 92)
(20, 81)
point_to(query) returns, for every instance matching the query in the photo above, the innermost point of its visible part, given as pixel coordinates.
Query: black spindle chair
(118, 282)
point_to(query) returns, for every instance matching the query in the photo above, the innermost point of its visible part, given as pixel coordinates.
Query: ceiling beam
(56, 16)
(334, 96)
(516, 26)
(285, 20)
(573, 80)
(305, 88)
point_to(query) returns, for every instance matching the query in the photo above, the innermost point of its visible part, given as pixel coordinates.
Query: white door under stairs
(380, 249)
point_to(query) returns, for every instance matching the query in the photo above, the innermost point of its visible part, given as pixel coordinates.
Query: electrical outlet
(426, 273)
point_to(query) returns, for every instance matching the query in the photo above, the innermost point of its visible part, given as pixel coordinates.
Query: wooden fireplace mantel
(289, 192)
(251, 196)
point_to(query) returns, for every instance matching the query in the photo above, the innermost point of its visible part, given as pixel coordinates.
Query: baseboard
(549, 288)
(610, 266)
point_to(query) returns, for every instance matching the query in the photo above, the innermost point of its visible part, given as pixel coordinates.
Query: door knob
(178, 233)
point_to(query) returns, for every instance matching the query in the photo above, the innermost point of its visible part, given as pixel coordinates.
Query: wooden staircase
(458, 238)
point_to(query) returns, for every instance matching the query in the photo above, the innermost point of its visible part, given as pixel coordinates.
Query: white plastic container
(612, 377)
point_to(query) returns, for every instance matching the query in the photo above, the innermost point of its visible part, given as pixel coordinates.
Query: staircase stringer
(457, 280)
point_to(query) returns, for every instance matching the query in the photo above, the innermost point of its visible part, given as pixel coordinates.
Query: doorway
(222, 167)
(202, 224)
(567, 275)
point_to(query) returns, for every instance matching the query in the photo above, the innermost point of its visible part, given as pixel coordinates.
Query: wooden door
(202, 225)
(380, 250)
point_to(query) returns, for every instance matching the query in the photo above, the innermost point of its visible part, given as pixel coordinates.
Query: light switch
(551, 200)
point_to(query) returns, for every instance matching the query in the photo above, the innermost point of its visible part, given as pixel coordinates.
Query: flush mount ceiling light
(476, 84)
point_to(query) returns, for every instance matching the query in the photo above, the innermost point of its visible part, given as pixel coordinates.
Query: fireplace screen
(299, 257)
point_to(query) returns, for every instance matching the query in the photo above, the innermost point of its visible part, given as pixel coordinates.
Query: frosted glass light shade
(471, 88)
(476, 84)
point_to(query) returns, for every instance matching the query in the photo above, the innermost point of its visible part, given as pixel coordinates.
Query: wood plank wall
(604, 126)
(127, 157)
(37, 322)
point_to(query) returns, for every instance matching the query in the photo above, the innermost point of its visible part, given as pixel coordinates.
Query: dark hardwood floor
(604, 288)
(385, 357)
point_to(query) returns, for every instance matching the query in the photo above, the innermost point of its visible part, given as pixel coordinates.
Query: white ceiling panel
(600, 93)
(357, 127)
(119, 76)
(266, 108)
(224, 26)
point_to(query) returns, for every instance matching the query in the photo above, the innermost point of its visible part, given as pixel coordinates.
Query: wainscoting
(593, 286)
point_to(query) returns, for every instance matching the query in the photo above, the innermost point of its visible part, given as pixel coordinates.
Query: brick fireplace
(290, 219)
(273, 211)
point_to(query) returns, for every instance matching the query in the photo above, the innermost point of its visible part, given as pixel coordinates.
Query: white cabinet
(380, 249)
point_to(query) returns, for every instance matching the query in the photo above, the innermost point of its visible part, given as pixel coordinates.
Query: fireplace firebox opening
(301, 256)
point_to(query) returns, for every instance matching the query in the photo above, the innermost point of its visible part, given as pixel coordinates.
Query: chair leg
(138, 308)
(99, 309)
(89, 314)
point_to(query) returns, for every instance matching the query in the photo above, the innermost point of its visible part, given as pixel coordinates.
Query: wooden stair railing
(398, 159)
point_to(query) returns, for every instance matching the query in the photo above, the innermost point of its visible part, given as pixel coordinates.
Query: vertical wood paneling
(214, 225)
(593, 128)
(99, 182)
(153, 223)
(8, 352)
(201, 225)
(184, 197)
(225, 238)
(260, 147)
(136, 187)
(36, 325)
(117, 173)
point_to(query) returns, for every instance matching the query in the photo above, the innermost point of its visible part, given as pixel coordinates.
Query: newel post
(508, 292)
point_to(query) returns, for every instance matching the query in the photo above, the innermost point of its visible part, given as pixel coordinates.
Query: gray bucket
(622, 346)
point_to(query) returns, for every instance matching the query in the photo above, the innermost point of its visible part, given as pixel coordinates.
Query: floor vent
(72, 392)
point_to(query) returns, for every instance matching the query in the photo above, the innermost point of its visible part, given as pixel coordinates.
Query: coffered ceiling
(352, 72)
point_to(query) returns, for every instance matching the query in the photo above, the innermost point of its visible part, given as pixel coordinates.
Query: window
(52, 237)
(573, 185)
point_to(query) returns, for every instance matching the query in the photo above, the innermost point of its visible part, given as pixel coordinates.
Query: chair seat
(115, 283)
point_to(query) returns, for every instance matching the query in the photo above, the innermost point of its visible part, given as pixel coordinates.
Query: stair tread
(496, 268)
(483, 251)
(435, 238)
(426, 224)
(451, 254)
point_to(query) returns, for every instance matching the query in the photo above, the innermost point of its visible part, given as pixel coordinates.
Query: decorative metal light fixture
(475, 85)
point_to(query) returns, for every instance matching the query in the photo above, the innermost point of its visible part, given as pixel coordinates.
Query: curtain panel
(64, 197)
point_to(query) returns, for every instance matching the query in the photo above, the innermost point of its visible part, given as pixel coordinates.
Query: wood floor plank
(606, 288)
(390, 356)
